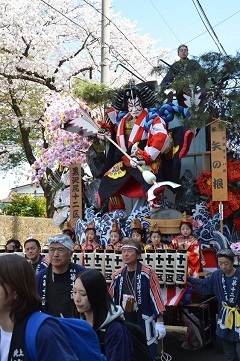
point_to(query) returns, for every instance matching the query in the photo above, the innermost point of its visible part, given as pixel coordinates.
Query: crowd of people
(61, 288)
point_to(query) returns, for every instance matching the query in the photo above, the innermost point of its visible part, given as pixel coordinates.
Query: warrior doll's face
(134, 107)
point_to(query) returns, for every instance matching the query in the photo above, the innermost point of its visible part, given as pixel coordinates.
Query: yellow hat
(154, 227)
(91, 226)
(115, 227)
(136, 224)
(186, 218)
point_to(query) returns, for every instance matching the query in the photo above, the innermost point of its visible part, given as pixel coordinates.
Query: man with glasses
(181, 68)
(55, 283)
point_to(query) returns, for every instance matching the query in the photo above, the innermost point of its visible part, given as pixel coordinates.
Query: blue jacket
(230, 300)
(117, 341)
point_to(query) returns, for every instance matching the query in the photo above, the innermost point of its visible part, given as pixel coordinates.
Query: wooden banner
(219, 161)
(170, 266)
(181, 267)
(75, 193)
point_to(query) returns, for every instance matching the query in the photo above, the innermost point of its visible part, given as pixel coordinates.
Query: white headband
(129, 246)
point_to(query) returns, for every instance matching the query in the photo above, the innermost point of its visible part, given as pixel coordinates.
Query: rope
(168, 110)
(164, 355)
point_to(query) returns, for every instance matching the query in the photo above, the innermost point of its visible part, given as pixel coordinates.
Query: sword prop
(86, 126)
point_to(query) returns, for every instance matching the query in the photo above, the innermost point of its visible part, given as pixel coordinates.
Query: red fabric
(172, 295)
(233, 170)
(144, 156)
(204, 183)
(210, 258)
(188, 137)
(104, 125)
(132, 189)
(192, 246)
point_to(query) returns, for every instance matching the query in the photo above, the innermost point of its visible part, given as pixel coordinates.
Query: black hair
(17, 244)
(189, 224)
(140, 231)
(146, 96)
(97, 293)
(132, 242)
(32, 240)
(70, 233)
(185, 46)
(19, 275)
(158, 232)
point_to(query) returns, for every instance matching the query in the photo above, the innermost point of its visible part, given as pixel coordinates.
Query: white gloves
(134, 162)
(160, 330)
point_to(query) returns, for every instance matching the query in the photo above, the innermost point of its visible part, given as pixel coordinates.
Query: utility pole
(105, 42)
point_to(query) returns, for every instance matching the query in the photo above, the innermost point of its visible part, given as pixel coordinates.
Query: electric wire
(196, 37)
(75, 23)
(120, 32)
(206, 26)
(113, 49)
(164, 20)
(210, 25)
(123, 59)
(217, 42)
(65, 16)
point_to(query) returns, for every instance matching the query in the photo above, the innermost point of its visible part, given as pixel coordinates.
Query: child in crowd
(186, 241)
(155, 238)
(71, 233)
(115, 237)
(90, 243)
(138, 232)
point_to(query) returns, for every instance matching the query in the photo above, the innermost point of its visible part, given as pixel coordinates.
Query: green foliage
(219, 76)
(26, 205)
(95, 95)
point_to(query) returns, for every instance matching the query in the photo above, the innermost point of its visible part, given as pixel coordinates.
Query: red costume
(141, 134)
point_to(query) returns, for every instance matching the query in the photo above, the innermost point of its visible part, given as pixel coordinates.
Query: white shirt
(5, 340)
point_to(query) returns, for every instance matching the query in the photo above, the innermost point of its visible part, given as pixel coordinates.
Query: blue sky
(175, 22)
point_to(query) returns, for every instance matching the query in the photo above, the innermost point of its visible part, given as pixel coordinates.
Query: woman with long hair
(94, 304)
(18, 300)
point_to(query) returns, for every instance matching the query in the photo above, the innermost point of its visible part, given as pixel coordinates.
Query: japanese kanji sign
(75, 193)
(219, 161)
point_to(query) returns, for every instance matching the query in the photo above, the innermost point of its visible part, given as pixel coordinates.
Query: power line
(164, 21)
(120, 32)
(52, 7)
(75, 23)
(196, 37)
(205, 25)
(217, 42)
(124, 60)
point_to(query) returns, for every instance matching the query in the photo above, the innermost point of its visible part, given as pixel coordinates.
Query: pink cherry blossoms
(64, 148)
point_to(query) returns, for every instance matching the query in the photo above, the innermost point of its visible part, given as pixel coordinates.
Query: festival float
(209, 200)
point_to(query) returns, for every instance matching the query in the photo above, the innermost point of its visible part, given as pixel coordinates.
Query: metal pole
(105, 42)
